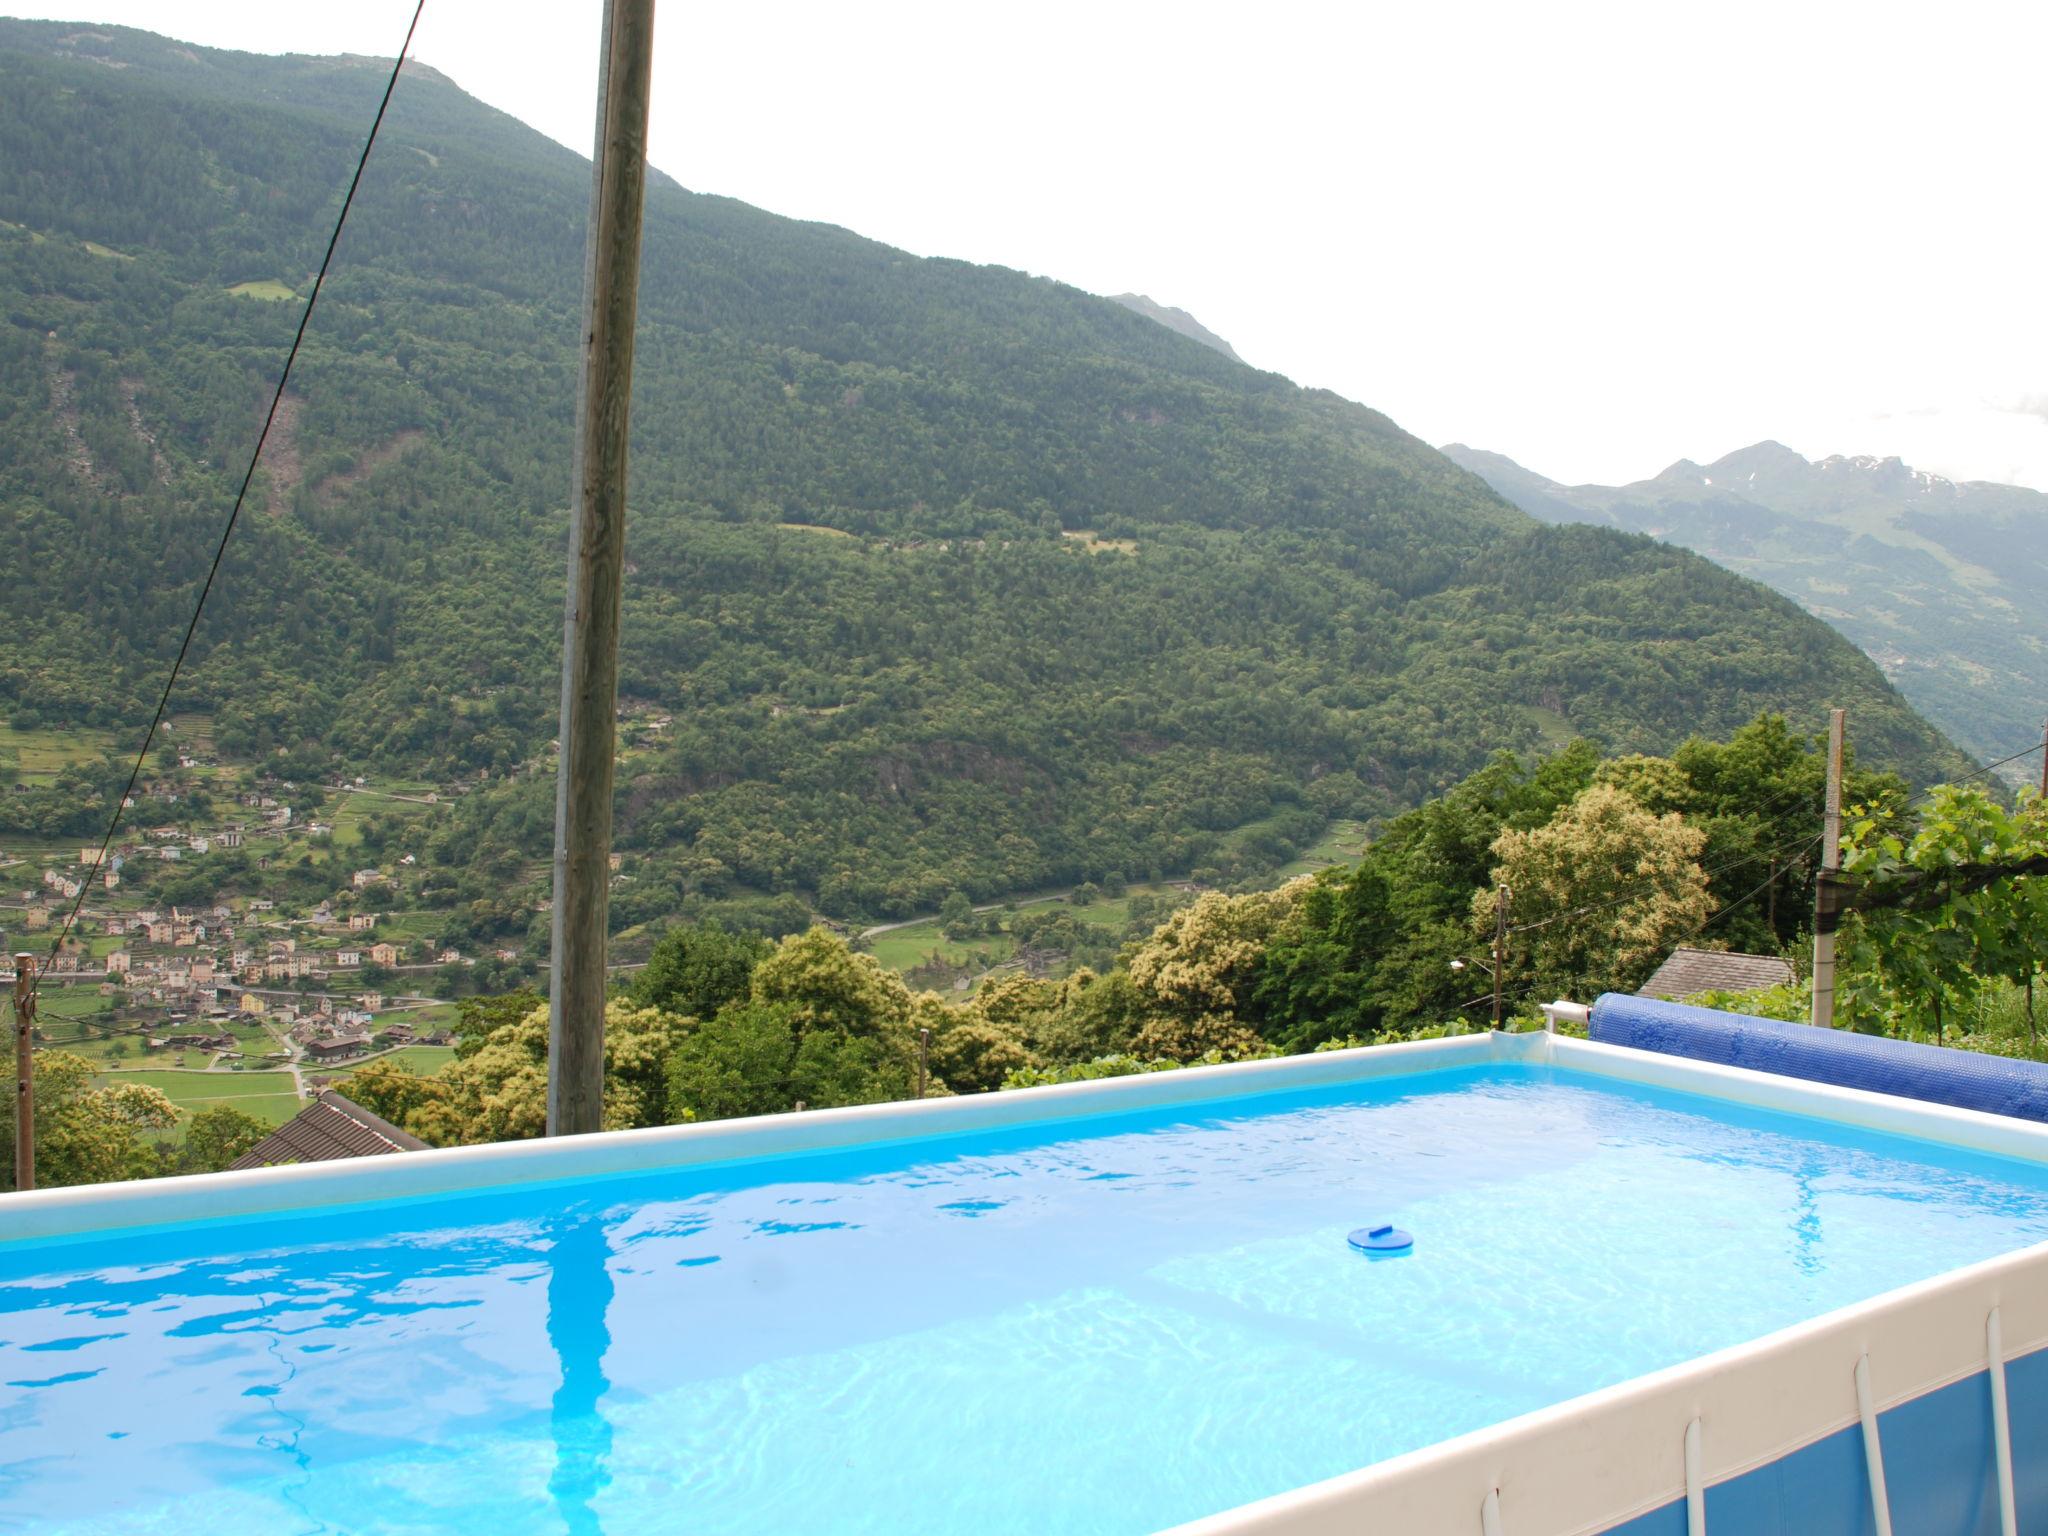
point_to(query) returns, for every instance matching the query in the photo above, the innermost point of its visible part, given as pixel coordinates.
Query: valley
(1935, 580)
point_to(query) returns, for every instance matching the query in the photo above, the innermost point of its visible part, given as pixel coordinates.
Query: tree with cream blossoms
(1196, 975)
(1636, 875)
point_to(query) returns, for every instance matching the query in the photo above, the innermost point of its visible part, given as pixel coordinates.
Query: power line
(1753, 891)
(235, 514)
(1980, 773)
(1653, 883)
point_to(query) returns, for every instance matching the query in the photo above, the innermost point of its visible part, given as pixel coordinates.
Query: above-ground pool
(1111, 1323)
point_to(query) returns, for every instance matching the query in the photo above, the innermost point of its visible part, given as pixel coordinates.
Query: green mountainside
(1939, 582)
(940, 577)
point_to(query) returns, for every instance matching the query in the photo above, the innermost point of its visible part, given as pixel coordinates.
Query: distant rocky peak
(1176, 320)
(1766, 458)
(1890, 475)
(1684, 472)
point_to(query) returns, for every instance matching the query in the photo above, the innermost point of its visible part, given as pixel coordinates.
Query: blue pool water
(1106, 1326)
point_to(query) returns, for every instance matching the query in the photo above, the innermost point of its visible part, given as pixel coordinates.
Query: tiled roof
(328, 1128)
(1690, 972)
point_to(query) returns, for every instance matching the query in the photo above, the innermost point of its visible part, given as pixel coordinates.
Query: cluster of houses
(348, 1033)
(194, 958)
(203, 960)
(187, 973)
(326, 1030)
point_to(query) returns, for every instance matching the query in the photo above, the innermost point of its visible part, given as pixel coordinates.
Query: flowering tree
(1611, 885)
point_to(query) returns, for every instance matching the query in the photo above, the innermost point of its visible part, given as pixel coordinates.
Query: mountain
(1176, 320)
(1938, 581)
(939, 576)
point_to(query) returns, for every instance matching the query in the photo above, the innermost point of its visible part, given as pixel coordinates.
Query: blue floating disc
(1381, 1240)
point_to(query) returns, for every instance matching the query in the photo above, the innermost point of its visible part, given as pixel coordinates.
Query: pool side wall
(1781, 1441)
(97, 1208)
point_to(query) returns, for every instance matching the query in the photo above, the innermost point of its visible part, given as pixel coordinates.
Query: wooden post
(924, 1052)
(24, 1071)
(1825, 905)
(2044, 759)
(597, 553)
(1500, 946)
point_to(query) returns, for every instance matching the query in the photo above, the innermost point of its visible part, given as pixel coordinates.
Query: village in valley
(247, 938)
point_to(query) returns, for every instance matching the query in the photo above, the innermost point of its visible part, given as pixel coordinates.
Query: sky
(1596, 238)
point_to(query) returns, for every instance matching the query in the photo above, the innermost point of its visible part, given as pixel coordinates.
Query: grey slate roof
(1689, 972)
(328, 1128)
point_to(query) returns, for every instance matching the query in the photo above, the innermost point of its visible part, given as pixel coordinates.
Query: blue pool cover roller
(1935, 1074)
(1382, 1239)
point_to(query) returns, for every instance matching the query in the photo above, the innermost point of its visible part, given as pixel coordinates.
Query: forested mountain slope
(943, 576)
(1938, 581)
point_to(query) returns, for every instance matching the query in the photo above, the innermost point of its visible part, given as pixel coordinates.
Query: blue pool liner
(1935, 1074)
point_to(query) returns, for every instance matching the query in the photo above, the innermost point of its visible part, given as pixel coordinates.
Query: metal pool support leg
(1873, 1452)
(2001, 1426)
(1695, 1483)
(1489, 1514)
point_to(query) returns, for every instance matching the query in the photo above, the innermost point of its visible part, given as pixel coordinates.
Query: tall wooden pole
(2044, 759)
(1500, 946)
(24, 1071)
(597, 555)
(1826, 908)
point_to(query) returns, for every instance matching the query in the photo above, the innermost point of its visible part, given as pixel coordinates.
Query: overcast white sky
(1595, 238)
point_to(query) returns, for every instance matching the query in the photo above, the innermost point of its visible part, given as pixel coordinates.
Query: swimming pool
(1134, 1310)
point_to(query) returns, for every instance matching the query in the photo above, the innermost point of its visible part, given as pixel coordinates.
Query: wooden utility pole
(1500, 946)
(2044, 759)
(597, 555)
(24, 1071)
(1826, 909)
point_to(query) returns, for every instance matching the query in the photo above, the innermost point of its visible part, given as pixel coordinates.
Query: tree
(1961, 902)
(219, 1134)
(821, 1025)
(696, 969)
(499, 1090)
(478, 1018)
(1635, 874)
(736, 1064)
(825, 985)
(83, 1134)
(1202, 963)
(956, 916)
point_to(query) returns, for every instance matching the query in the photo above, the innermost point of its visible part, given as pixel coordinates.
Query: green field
(42, 754)
(1094, 542)
(1113, 912)
(426, 1060)
(908, 948)
(266, 1095)
(264, 288)
(1343, 843)
(397, 926)
(348, 812)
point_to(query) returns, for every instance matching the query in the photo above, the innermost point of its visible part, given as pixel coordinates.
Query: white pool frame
(1581, 1466)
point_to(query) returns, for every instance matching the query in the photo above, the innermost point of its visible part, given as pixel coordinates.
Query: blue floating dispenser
(1382, 1240)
